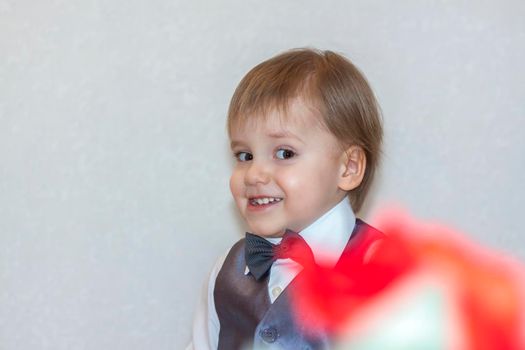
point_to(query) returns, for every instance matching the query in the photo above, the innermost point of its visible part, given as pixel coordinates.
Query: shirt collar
(328, 235)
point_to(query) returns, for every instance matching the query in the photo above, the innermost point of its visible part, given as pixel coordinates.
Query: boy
(306, 132)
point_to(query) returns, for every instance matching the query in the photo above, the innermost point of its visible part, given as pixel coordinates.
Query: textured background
(114, 163)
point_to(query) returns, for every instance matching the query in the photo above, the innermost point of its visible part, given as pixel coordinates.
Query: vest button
(269, 335)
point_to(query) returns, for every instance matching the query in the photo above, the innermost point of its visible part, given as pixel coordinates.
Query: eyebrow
(234, 144)
(281, 134)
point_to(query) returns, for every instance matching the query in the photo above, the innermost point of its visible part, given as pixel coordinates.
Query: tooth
(265, 200)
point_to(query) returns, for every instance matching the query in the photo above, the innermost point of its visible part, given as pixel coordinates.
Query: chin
(266, 232)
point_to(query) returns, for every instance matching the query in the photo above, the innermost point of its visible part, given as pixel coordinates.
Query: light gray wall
(114, 165)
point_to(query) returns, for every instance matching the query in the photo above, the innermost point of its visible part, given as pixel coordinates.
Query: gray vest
(248, 319)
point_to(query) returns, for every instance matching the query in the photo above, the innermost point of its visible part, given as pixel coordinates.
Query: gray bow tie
(260, 254)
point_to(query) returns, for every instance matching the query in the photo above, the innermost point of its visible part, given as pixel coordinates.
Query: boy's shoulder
(364, 240)
(366, 231)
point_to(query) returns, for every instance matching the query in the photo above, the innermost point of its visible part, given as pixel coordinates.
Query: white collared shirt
(327, 237)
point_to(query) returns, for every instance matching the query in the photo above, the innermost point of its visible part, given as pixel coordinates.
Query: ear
(353, 165)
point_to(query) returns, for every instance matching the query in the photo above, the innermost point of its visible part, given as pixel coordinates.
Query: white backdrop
(114, 162)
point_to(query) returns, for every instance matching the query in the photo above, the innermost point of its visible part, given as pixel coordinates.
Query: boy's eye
(243, 156)
(285, 154)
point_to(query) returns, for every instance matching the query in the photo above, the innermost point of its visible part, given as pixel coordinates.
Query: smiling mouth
(264, 200)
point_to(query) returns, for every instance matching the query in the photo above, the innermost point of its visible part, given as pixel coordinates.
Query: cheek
(310, 183)
(306, 176)
(236, 184)
(294, 183)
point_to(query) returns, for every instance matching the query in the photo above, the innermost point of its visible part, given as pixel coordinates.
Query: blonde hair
(333, 85)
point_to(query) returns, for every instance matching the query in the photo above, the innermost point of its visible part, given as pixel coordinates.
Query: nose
(257, 173)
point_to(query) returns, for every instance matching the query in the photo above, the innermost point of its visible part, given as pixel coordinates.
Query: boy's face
(287, 170)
